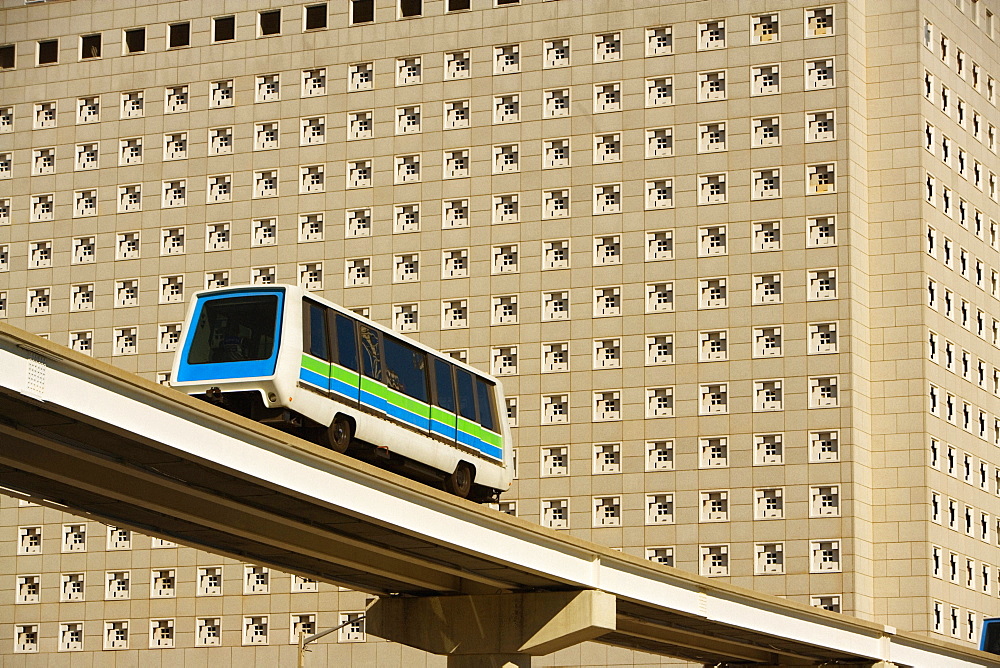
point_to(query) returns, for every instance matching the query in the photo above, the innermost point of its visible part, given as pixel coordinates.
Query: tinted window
(991, 639)
(347, 343)
(445, 385)
(466, 394)
(405, 368)
(238, 329)
(314, 329)
(484, 395)
(371, 354)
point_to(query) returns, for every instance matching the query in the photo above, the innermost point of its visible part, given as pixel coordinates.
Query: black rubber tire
(460, 482)
(339, 434)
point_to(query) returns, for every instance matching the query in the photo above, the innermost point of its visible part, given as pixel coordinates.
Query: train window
(237, 329)
(445, 385)
(347, 343)
(484, 393)
(371, 353)
(314, 331)
(466, 394)
(405, 368)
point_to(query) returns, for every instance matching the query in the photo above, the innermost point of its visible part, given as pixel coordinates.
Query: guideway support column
(494, 631)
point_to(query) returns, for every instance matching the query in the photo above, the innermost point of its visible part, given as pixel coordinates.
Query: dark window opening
(90, 46)
(362, 11)
(180, 35)
(135, 40)
(457, 5)
(410, 8)
(371, 353)
(7, 56)
(224, 29)
(444, 385)
(314, 331)
(240, 329)
(508, 2)
(48, 52)
(405, 368)
(484, 395)
(316, 17)
(466, 394)
(347, 343)
(270, 22)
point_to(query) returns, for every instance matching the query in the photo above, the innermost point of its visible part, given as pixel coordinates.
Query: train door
(444, 421)
(345, 380)
(372, 391)
(406, 380)
(315, 366)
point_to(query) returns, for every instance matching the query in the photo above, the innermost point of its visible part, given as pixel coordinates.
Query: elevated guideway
(475, 584)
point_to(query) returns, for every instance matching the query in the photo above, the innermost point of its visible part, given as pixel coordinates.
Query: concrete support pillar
(501, 631)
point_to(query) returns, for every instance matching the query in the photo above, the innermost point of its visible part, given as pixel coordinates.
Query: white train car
(282, 356)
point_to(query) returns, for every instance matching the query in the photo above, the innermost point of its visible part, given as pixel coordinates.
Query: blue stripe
(345, 389)
(409, 417)
(373, 400)
(423, 422)
(312, 377)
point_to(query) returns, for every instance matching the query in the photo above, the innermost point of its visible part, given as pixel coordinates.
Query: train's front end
(231, 349)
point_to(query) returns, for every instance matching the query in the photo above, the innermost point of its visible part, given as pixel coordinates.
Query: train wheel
(339, 434)
(459, 483)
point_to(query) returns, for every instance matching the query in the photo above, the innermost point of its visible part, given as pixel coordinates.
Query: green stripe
(442, 415)
(345, 375)
(401, 400)
(313, 364)
(397, 398)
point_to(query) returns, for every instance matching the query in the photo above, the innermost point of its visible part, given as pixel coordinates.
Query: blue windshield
(232, 335)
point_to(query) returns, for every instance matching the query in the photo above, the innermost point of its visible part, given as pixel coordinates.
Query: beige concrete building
(735, 262)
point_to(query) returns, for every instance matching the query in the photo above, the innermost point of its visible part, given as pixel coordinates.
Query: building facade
(735, 263)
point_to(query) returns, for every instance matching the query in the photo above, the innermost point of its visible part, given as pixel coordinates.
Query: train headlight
(272, 397)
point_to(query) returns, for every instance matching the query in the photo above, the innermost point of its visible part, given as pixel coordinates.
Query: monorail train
(287, 358)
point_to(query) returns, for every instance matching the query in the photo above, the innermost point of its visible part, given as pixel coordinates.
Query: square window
(659, 41)
(456, 263)
(507, 59)
(48, 51)
(315, 17)
(555, 409)
(360, 76)
(135, 40)
(712, 189)
(712, 35)
(557, 53)
(764, 29)
(457, 65)
(712, 86)
(819, 22)
(765, 80)
(269, 22)
(659, 455)
(179, 35)
(659, 92)
(714, 560)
